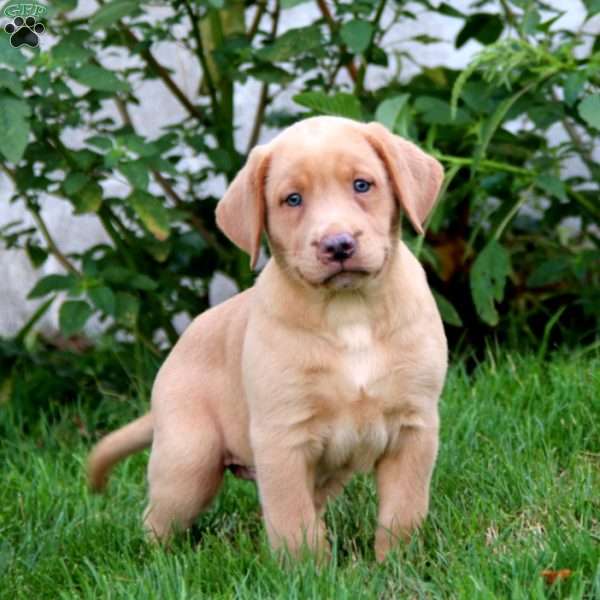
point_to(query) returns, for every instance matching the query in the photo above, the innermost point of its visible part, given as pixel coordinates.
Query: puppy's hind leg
(185, 473)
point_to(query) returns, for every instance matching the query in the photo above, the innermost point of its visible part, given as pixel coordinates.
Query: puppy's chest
(361, 359)
(358, 427)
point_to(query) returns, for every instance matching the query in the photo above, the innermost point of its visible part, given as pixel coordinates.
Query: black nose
(338, 247)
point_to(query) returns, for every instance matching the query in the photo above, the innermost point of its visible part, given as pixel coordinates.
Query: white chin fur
(346, 280)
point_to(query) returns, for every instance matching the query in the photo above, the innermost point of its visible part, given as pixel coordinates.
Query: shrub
(511, 248)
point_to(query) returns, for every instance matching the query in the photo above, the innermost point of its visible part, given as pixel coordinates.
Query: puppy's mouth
(346, 275)
(343, 276)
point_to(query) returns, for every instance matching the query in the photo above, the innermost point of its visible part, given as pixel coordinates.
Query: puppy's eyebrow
(292, 183)
(355, 168)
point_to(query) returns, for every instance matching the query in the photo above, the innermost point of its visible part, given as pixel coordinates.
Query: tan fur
(311, 375)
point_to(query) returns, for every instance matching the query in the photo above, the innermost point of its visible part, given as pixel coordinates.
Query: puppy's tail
(133, 437)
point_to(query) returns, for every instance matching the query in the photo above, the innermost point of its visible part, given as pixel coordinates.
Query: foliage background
(511, 249)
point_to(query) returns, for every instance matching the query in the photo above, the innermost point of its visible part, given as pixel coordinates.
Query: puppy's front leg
(286, 488)
(403, 487)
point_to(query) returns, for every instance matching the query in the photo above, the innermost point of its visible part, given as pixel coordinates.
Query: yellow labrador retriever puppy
(331, 364)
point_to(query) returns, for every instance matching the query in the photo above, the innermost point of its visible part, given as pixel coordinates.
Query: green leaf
(157, 163)
(389, 111)
(51, 283)
(291, 3)
(42, 80)
(445, 9)
(158, 250)
(357, 34)
(488, 278)
(479, 97)
(74, 182)
(36, 254)
(113, 157)
(117, 274)
(589, 110)
(136, 173)
(376, 56)
(292, 43)
(98, 78)
(436, 111)
(341, 104)
(68, 52)
(73, 315)
(89, 199)
(449, 313)
(491, 124)
(64, 5)
(84, 159)
(10, 81)
(14, 127)
(549, 272)
(572, 87)
(544, 115)
(592, 6)
(152, 212)
(104, 299)
(101, 142)
(127, 309)
(11, 56)
(552, 185)
(484, 27)
(110, 13)
(139, 145)
(143, 282)
(270, 74)
(220, 158)
(423, 38)
(530, 21)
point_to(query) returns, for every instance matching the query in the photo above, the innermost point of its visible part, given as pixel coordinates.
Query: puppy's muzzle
(336, 248)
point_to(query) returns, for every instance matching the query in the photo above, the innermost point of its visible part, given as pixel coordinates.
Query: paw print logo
(24, 31)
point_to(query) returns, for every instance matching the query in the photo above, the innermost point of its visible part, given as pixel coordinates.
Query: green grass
(516, 491)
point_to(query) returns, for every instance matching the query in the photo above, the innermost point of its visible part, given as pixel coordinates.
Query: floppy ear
(241, 211)
(416, 177)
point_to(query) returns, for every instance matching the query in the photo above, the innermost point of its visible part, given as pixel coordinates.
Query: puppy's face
(330, 209)
(328, 192)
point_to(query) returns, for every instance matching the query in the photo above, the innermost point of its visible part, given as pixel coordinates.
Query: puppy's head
(327, 191)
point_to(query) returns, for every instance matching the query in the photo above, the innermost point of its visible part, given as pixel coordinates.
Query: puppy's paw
(386, 541)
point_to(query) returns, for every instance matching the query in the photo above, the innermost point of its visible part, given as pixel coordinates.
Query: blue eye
(361, 186)
(294, 200)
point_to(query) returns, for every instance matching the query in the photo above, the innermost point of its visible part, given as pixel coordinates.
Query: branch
(52, 247)
(39, 221)
(195, 220)
(167, 188)
(511, 18)
(359, 82)
(9, 172)
(124, 112)
(260, 11)
(327, 15)
(264, 90)
(378, 13)
(258, 119)
(202, 58)
(333, 27)
(161, 72)
(490, 164)
(584, 151)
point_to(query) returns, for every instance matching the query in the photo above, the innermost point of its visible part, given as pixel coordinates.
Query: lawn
(516, 492)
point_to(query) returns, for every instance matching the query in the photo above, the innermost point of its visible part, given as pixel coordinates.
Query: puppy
(331, 364)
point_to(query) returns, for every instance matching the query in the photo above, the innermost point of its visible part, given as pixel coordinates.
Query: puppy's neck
(297, 303)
